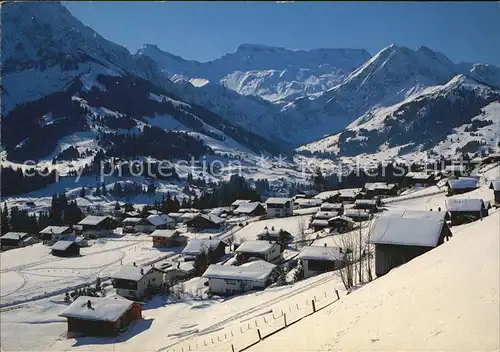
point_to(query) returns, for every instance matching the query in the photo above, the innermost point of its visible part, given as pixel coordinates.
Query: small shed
(349, 195)
(228, 279)
(265, 250)
(65, 249)
(317, 259)
(205, 222)
(101, 316)
(465, 210)
(399, 239)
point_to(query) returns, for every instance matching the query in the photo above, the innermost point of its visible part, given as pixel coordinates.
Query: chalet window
(231, 282)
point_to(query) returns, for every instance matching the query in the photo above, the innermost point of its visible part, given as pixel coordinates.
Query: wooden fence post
(232, 347)
(314, 306)
(284, 316)
(258, 333)
(337, 293)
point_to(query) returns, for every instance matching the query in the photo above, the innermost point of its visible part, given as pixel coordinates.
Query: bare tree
(346, 271)
(301, 229)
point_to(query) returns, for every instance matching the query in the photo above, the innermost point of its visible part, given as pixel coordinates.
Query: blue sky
(207, 30)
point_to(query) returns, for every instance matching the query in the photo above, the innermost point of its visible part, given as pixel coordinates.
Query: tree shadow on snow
(133, 330)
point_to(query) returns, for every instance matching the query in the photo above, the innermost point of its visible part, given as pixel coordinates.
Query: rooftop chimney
(89, 304)
(178, 265)
(340, 250)
(135, 264)
(142, 271)
(325, 244)
(209, 237)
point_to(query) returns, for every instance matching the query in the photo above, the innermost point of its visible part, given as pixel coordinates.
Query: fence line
(250, 333)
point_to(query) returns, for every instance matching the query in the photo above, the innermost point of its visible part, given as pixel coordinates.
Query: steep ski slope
(425, 121)
(275, 74)
(438, 301)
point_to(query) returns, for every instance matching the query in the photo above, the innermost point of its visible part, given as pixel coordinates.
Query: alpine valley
(69, 95)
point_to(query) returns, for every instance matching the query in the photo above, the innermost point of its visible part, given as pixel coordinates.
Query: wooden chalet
(100, 316)
(65, 249)
(399, 239)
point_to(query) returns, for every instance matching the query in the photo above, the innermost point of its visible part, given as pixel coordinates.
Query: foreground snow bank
(446, 299)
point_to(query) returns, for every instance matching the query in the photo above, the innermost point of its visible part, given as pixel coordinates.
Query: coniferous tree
(5, 219)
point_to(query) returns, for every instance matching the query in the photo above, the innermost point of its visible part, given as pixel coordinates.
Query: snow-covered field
(33, 271)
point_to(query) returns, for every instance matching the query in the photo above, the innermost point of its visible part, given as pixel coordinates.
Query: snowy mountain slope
(275, 74)
(391, 76)
(49, 59)
(422, 122)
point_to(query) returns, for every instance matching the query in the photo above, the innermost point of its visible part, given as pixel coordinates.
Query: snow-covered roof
(331, 206)
(219, 211)
(406, 231)
(319, 222)
(164, 233)
(454, 204)
(365, 202)
(188, 210)
(175, 215)
(102, 308)
(189, 216)
(320, 253)
(130, 272)
(238, 202)
(438, 215)
(14, 236)
(418, 175)
(462, 183)
(61, 245)
(325, 214)
(326, 194)
(92, 220)
(154, 212)
(54, 230)
(349, 192)
(132, 220)
(255, 246)
(247, 208)
(495, 185)
(356, 213)
(308, 202)
(194, 247)
(158, 220)
(277, 200)
(255, 271)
